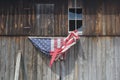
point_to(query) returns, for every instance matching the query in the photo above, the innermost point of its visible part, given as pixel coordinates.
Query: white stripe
(52, 45)
(68, 47)
(58, 43)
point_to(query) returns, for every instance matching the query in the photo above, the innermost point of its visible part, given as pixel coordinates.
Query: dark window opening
(79, 14)
(75, 19)
(72, 25)
(71, 14)
(79, 25)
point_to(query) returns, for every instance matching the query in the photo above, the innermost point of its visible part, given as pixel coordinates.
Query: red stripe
(72, 37)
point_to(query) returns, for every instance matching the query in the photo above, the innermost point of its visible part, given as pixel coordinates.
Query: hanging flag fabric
(69, 41)
(55, 46)
(46, 45)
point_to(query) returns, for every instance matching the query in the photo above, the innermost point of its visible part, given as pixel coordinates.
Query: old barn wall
(92, 58)
(18, 18)
(22, 18)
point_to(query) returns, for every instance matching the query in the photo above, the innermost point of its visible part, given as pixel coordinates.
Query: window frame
(79, 32)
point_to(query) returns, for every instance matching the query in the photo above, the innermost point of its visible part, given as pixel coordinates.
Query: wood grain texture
(50, 18)
(90, 59)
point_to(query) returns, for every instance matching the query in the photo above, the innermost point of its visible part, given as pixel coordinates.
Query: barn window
(75, 19)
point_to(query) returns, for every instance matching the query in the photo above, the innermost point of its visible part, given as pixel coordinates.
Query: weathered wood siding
(50, 18)
(90, 59)
(100, 17)
(44, 18)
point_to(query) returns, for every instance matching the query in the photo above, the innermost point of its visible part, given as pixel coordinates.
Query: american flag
(46, 45)
(55, 46)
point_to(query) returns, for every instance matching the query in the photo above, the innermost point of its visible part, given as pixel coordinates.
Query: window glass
(71, 25)
(75, 19)
(79, 25)
(71, 14)
(79, 14)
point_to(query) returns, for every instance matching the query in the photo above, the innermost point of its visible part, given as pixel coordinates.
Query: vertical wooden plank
(113, 58)
(7, 58)
(62, 21)
(59, 19)
(83, 59)
(57, 69)
(94, 58)
(44, 68)
(90, 59)
(62, 70)
(12, 57)
(116, 51)
(80, 60)
(99, 19)
(87, 21)
(42, 27)
(50, 20)
(92, 16)
(6, 22)
(76, 54)
(113, 20)
(55, 22)
(33, 19)
(39, 66)
(99, 59)
(21, 47)
(3, 24)
(45, 14)
(103, 18)
(29, 54)
(117, 59)
(25, 59)
(117, 19)
(0, 19)
(103, 59)
(67, 66)
(11, 20)
(0, 58)
(78, 51)
(66, 18)
(48, 71)
(34, 65)
(109, 18)
(109, 59)
(19, 21)
(25, 18)
(3, 58)
(52, 17)
(22, 19)
(30, 18)
(16, 20)
(71, 64)
(38, 16)
(53, 73)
